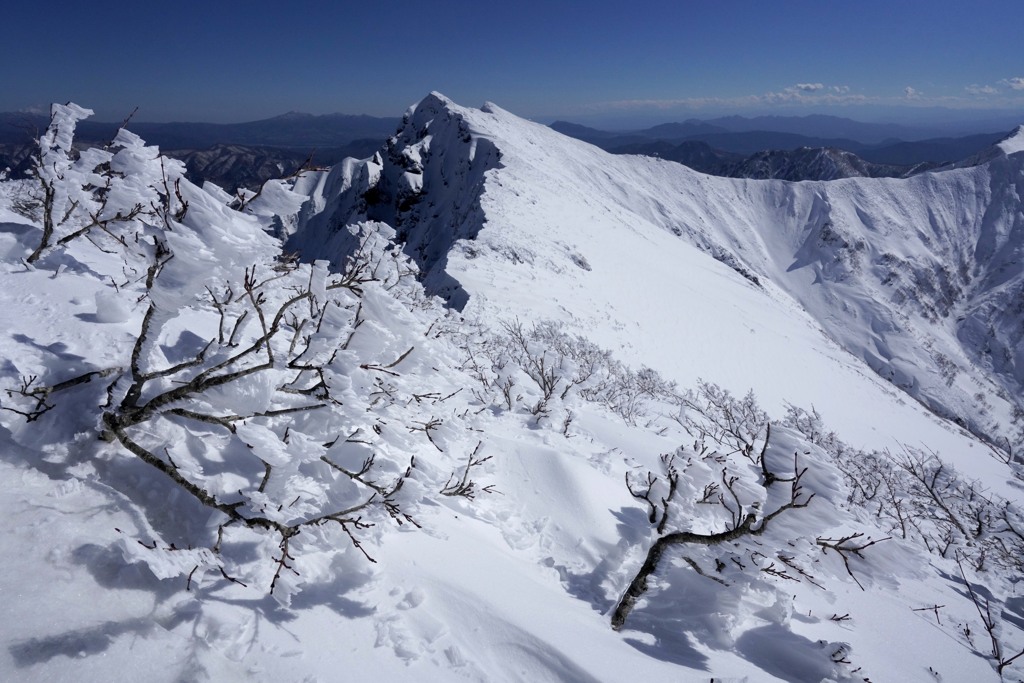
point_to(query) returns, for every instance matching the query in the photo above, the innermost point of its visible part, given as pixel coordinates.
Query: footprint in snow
(412, 599)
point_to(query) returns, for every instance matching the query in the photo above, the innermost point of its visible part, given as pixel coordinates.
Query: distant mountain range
(232, 155)
(778, 152)
(812, 126)
(820, 125)
(815, 147)
(288, 130)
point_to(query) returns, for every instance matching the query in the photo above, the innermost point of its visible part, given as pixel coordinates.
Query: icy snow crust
(738, 283)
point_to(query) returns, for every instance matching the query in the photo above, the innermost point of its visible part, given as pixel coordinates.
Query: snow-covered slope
(218, 463)
(919, 278)
(1014, 142)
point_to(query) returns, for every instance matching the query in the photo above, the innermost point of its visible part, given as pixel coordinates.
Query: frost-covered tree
(735, 473)
(274, 395)
(916, 497)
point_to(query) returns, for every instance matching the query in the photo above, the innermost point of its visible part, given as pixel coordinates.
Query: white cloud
(807, 93)
(791, 95)
(821, 94)
(799, 93)
(975, 89)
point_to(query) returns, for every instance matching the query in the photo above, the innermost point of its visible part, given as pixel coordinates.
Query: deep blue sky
(591, 61)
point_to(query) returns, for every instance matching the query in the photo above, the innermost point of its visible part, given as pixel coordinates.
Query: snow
(112, 565)
(568, 229)
(1014, 142)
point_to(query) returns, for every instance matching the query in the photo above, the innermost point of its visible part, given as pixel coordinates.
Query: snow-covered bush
(544, 368)
(272, 396)
(916, 497)
(728, 498)
(98, 190)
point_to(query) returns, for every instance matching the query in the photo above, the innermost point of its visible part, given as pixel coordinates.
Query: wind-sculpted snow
(218, 462)
(426, 183)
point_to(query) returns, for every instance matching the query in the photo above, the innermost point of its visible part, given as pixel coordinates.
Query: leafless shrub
(916, 496)
(747, 521)
(849, 546)
(464, 486)
(274, 327)
(643, 489)
(716, 415)
(557, 365)
(991, 623)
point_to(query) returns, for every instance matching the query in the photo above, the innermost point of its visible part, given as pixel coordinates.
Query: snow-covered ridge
(916, 277)
(272, 471)
(1014, 142)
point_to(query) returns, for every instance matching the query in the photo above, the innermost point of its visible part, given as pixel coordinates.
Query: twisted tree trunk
(639, 584)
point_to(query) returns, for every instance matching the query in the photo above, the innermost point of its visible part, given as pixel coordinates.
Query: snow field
(114, 563)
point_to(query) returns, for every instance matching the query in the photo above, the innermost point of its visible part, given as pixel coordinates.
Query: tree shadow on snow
(108, 569)
(675, 613)
(177, 605)
(657, 629)
(667, 641)
(18, 240)
(84, 642)
(590, 587)
(1013, 611)
(784, 654)
(19, 229)
(58, 349)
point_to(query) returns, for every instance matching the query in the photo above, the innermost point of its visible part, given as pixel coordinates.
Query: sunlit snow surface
(896, 273)
(1014, 143)
(644, 258)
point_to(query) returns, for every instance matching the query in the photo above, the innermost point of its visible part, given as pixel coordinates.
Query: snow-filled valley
(477, 408)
